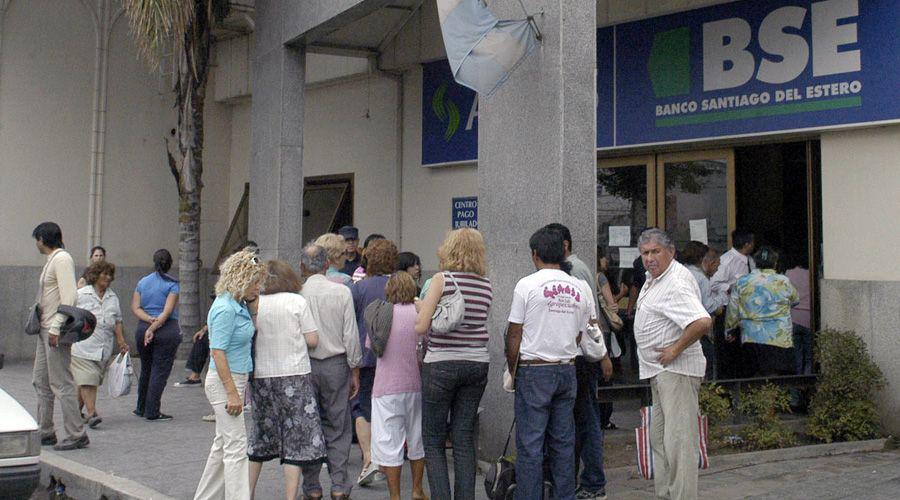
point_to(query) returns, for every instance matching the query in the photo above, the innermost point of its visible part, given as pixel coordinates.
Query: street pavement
(169, 457)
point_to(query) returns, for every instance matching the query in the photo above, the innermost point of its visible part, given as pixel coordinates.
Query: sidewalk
(169, 457)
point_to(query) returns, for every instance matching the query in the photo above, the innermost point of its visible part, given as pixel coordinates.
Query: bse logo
(446, 110)
(785, 53)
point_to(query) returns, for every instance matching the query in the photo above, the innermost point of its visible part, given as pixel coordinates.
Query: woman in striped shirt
(456, 363)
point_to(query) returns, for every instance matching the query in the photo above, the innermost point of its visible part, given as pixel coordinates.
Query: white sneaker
(369, 474)
(209, 418)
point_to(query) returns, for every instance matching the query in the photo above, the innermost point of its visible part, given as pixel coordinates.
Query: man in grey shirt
(588, 429)
(335, 371)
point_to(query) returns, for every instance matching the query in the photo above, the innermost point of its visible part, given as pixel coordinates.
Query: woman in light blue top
(155, 303)
(231, 329)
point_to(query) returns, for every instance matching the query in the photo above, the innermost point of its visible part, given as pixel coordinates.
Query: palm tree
(185, 28)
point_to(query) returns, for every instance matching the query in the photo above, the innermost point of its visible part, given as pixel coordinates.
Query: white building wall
(240, 155)
(47, 62)
(45, 113)
(860, 204)
(351, 127)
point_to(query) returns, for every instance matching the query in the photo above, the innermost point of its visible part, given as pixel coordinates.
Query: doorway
(770, 189)
(327, 204)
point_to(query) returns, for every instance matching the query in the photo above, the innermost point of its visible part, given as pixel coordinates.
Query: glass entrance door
(696, 192)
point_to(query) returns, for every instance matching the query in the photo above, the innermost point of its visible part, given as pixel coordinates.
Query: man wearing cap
(351, 236)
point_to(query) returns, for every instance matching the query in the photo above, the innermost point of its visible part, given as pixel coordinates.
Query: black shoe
(48, 440)
(189, 382)
(73, 444)
(161, 417)
(137, 413)
(93, 421)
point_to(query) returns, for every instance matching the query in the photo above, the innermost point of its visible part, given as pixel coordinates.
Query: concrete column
(276, 153)
(537, 164)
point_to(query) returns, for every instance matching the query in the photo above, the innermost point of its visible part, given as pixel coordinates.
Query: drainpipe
(104, 20)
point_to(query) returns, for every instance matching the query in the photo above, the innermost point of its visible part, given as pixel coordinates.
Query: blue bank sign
(465, 212)
(742, 68)
(747, 68)
(449, 118)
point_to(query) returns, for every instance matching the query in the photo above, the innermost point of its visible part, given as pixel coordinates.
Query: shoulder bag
(33, 317)
(378, 316)
(450, 311)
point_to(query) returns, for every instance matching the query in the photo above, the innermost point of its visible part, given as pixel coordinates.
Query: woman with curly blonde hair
(231, 330)
(455, 370)
(335, 247)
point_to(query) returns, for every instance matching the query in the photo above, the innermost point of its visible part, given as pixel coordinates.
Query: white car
(20, 450)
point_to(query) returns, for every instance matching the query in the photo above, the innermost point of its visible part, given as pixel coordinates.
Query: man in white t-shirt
(549, 311)
(669, 321)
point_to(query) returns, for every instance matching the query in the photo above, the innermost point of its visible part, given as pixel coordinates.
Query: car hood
(15, 417)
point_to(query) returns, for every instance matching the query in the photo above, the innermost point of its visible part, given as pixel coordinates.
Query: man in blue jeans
(549, 310)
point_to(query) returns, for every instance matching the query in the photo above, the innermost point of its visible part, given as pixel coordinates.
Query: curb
(794, 453)
(88, 482)
(719, 463)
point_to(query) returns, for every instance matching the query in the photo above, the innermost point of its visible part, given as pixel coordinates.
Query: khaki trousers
(674, 435)
(52, 378)
(227, 472)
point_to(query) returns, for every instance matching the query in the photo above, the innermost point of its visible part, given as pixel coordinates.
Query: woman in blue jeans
(456, 363)
(155, 303)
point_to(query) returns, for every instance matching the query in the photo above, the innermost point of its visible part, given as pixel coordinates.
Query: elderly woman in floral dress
(285, 422)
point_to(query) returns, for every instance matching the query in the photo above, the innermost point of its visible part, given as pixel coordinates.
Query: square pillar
(276, 152)
(537, 165)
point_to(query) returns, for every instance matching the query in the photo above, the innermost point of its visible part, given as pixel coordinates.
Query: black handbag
(33, 320)
(79, 324)
(500, 479)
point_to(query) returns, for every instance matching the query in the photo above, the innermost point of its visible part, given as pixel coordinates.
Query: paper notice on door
(627, 257)
(619, 236)
(698, 231)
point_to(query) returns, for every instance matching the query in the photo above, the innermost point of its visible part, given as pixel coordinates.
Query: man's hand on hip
(668, 355)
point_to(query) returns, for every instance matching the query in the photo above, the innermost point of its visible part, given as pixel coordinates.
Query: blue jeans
(588, 430)
(361, 405)
(451, 390)
(803, 351)
(803, 360)
(545, 404)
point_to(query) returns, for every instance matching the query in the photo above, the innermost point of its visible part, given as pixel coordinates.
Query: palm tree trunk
(191, 94)
(189, 262)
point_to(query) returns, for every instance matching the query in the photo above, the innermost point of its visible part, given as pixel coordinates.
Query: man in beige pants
(669, 321)
(52, 377)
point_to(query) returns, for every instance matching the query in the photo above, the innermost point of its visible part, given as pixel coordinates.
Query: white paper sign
(698, 231)
(627, 256)
(619, 236)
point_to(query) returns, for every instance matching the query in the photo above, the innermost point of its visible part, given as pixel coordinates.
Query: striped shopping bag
(645, 453)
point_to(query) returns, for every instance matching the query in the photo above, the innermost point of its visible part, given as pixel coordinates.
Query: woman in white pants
(231, 330)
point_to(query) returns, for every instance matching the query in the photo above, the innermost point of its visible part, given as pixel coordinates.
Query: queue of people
(303, 347)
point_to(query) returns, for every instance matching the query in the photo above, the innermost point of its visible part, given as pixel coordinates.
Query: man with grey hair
(335, 372)
(669, 321)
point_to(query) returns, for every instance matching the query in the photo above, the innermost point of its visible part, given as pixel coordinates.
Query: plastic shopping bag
(118, 376)
(645, 452)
